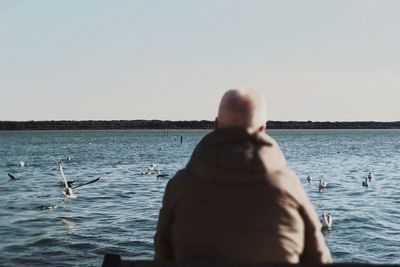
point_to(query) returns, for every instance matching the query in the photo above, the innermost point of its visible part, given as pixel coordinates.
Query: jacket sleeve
(315, 249)
(162, 239)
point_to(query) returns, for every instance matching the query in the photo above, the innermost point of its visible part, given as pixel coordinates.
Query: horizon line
(203, 120)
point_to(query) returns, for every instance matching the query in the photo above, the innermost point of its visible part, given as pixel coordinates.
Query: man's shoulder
(287, 182)
(180, 174)
(178, 178)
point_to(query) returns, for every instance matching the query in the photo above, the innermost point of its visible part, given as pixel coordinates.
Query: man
(236, 200)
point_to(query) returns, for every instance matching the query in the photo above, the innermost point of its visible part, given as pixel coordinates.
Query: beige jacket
(237, 201)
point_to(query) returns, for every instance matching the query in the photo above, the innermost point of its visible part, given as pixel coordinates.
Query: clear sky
(336, 60)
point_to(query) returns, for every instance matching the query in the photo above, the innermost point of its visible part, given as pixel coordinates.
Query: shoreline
(168, 125)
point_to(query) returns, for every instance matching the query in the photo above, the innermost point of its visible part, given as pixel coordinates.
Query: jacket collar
(230, 155)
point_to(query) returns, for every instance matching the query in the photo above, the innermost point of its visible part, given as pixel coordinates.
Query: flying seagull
(68, 189)
(69, 184)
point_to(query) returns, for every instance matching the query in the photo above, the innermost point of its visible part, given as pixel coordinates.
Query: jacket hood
(232, 155)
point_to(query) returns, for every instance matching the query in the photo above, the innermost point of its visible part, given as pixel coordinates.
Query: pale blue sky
(90, 59)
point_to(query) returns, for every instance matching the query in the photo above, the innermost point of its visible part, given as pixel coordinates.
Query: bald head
(242, 108)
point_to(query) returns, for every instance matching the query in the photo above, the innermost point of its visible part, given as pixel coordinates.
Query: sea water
(118, 213)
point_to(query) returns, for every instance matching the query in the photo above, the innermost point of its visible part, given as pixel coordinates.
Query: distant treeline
(169, 125)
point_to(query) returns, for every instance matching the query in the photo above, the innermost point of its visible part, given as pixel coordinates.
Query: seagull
(309, 178)
(13, 177)
(326, 221)
(68, 189)
(22, 163)
(370, 176)
(68, 184)
(322, 185)
(150, 169)
(365, 183)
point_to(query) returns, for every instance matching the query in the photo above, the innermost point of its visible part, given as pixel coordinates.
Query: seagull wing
(62, 174)
(95, 180)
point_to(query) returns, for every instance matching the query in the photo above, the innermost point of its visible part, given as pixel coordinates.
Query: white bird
(370, 176)
(22, 163)
(365, 183)
(68, 190)
(150, 168)
(326, 221)
(322, 185)
(309, 178)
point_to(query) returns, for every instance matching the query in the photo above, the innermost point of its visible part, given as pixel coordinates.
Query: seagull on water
(365, 182)
(370, 176)
(22, 163)
(322, 185)
(326, 221)
(150, 169)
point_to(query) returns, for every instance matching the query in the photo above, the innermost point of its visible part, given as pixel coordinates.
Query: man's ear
(216, 124)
